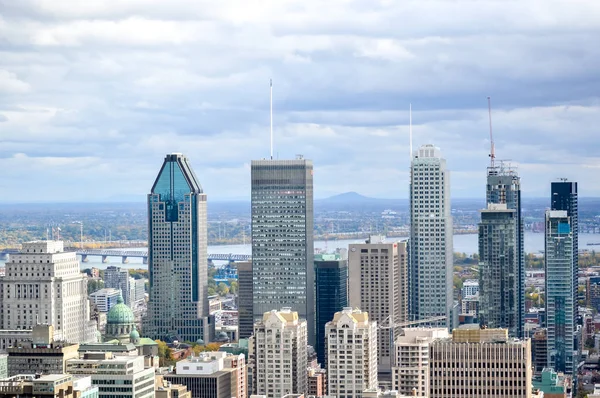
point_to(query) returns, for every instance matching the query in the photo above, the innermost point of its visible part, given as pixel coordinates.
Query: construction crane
(386, 324)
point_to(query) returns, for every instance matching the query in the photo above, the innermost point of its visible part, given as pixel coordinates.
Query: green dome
(120, 314)
(134, 335)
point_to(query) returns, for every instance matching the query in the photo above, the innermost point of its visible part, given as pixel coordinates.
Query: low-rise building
(553, 384)
(317, 382)
(166, 389)
(32, 386)
(83, 388)
(105, 299)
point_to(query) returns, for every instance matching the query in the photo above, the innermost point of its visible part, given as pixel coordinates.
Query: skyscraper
(331, 282)
(118, 278)
(504, 187)
(245, 315)
(282, 238)
(561, 307)
(499, 269)
(431, 257)
(177, 255)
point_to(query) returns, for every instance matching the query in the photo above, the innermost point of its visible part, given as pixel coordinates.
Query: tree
(197, 348)
(222, 289)
(165, 355)
(211, 291)
(94, 285)
(233, 286)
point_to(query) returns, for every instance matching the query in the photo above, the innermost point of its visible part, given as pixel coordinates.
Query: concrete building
(279, 352)
(431, 257)
(561, 289)
(177, 255)
(499, 289)
(118, 278)
(282, 238)
(351, 353)
(553, 384)
(30, 386)
(317, 382)
(470, 306)
(83, 388)
(105, 299)
(539, 350)
(331, 285)
(166, 389)
(3, 366)
(479, 363)
(212, 375)
(44, 285)
(378, 285)
(137, 291)
(124, 375)
(410, 373)
(11, 338)
(470, 288)
(245, 300)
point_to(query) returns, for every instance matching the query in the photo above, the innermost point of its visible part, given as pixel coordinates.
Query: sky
(93, 94)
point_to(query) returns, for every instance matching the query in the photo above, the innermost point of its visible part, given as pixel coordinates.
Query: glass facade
(331, 296)
(282, 238)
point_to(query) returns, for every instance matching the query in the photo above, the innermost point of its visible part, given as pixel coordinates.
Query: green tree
(94, 285)
(212, 291)
(222, 289)
(233, 286)
(165, 355)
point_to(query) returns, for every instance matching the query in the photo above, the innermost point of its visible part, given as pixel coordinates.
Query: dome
(134, 336)
(200, 342)
(120, 314)
(223, 335)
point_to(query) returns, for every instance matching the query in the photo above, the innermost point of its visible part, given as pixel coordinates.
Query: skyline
(93, 95)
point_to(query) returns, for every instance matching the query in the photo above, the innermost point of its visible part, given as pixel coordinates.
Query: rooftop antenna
(410, 130)
(271, 103)
(492, 149)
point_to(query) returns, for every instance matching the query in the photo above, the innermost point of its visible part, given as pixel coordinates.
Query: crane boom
(410, 323)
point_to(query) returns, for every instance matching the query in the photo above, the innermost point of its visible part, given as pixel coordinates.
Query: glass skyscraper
(177, 255)
(331, 280)
(282, 238)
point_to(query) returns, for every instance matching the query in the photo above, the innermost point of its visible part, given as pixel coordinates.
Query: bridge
(125, 254)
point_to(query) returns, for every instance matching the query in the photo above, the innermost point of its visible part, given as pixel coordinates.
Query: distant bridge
(143, 254)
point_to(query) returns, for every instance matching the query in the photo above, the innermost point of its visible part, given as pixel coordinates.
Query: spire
(492, 149)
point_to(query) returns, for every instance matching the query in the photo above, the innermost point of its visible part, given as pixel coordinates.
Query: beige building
(480, 363)
(378, 285)
(410, 373)
(30, 386)
(351, 353)
(165, 389)
(279, 352)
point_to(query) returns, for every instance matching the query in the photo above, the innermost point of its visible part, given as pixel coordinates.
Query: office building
(282, 238)
(177, 255)
(166, 389)
(212, 375)
(561, 288)
(105, 299)
(592, 292)
(410, 374)
(431, 257)
(3, 366)
(44, 285)
(504, 187)
(351, 353)
(125, 375)
(331, 285)
(279, 352)
(553, 384)
(317, 382)
(137, 291)
(480, 363)
(378, 285)
(31, 386)
(245, 300)
(539, 351)
(118, 278)
(83, 388)
(470, 288)
(499, 290)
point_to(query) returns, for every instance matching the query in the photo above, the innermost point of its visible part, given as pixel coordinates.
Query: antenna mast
(492, 149)
(410, 130)
(271, 113)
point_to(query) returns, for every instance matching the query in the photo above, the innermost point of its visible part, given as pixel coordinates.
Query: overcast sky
(93, 94)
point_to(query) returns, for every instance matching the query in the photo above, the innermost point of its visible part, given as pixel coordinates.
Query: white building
(378, 285)
(470, 288)
(105, 298)
(410, 373)
(351, 353)
(279, 351)
(44, 285)
(431, 263)
(122, 376)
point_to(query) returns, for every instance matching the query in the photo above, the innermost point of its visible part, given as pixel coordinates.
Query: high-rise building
(561, 307)
(105, 299)
(410, 374)
(280, 356)
(378, 286)
(177, 255)
(331, 282)
(499, 288)
(282, 238)
(351, 353)
(43, 284)
(245, 298)
(431, 256)
(118, 278)
(539, 351)
(470, 288)
(504, 187)
(480, 363)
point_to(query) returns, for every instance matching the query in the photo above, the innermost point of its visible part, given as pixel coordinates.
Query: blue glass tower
(177, 255)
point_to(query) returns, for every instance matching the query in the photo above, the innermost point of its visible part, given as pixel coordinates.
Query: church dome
(134, 336)
(120, 314)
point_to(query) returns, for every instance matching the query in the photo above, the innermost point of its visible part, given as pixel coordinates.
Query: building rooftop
(357, 316)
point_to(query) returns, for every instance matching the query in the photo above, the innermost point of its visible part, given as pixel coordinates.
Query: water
(534, 243)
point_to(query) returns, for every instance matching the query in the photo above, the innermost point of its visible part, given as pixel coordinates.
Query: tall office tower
(44, 285)
(331, 280)
(480, 363)
(410, 374)
(282, 238)
(377, 285)
(431, 257)
(561, 307)
(351, 353)
(279, 352)
(118, 278)
(504, 187)
(499, 288)
(177, 255)
(245, 314)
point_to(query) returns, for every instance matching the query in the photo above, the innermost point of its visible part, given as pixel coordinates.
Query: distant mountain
(347, 197)
(352, 201)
